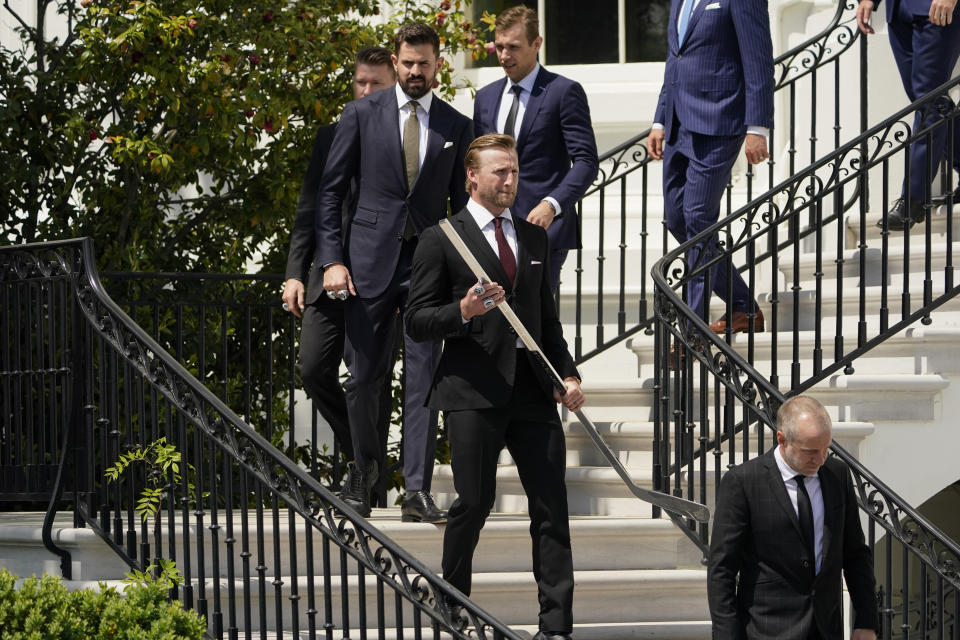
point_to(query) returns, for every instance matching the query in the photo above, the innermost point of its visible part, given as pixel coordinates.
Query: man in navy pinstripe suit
(717, 96)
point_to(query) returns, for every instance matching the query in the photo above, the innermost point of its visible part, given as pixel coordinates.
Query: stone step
(897, 258)
(504, 546)
(848, 398)
(590, 491)
(938, 224)
(618, 596)
(918, 349)
(664, 630)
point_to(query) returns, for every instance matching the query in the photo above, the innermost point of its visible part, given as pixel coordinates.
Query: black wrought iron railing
(611, 297)
(836, 283)
(262, 547)
(231, 333)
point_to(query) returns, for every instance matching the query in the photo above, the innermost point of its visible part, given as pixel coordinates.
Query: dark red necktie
(503, 248)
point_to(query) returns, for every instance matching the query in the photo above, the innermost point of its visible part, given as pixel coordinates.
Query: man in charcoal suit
(321, 332)
(490, 390)
(925, 39)
(404, 147)
(717, 96)
(786, 526)
(549, 117)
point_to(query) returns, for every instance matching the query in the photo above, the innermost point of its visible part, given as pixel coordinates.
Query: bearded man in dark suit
(404, 148)
(491, 392)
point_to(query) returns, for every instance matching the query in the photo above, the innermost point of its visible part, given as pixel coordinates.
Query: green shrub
(43, 609)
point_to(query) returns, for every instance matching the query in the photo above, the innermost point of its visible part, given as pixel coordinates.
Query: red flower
(254, 59)
(268, 16)
(490, 47)
(192, 24)
(92, 134)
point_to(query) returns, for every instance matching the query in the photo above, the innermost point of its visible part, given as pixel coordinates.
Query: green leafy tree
(175, 132)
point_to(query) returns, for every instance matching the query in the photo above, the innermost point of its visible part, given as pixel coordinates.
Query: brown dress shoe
(740, 323)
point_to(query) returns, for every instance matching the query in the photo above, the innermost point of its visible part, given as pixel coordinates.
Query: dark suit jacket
(303, 239)
(476, 370)
(721, 79)
(367, 147)
(557, 150)
(756, 538)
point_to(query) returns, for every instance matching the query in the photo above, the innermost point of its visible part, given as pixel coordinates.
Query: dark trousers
(530, 428)
(925, 56)
(696, 170)
(321, 351)
(371, 328)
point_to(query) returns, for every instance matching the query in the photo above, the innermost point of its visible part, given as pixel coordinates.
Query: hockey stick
(674, 504)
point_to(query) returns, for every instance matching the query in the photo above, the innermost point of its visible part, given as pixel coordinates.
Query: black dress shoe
(545, 635)
(356, 493)
(897, 218)
(419, 507)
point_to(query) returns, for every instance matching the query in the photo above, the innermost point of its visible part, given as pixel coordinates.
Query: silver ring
(488, 303)
(342, 294)
(478, 290)
(286, 307)
(331, 295)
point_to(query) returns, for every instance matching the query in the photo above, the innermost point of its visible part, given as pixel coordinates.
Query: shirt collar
(527, 82)
(483, 217)
(786, 470)
(403, 99)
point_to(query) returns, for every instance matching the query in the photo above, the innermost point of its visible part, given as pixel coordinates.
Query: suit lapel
(779, 489)
(537, 97)
(492, 109)
(831, 492)
(672, 35)
(482, 251)
(390, 124)
(523, 256)
(437, 134)
(694, 18)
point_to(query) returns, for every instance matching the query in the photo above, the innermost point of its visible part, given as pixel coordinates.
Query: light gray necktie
(411, 144)
(411, 157)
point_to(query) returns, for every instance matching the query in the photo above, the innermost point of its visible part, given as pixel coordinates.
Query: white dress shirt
(484, 220)
(423, 117)
(812, 484)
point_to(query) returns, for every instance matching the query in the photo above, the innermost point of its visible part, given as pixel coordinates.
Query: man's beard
(417, 91)
(500, 199)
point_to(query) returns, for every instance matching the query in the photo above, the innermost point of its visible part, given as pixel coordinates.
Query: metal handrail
(733, 374)
(119, 339)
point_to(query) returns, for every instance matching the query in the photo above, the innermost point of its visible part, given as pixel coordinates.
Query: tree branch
(16, 16)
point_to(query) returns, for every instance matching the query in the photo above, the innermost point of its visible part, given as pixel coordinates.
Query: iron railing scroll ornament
(258, 542)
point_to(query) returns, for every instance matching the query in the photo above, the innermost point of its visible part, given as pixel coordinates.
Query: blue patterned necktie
(685, 12)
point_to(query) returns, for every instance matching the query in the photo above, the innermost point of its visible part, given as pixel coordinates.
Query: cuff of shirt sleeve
(556, 206)
(760, 131)
(657, 126)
